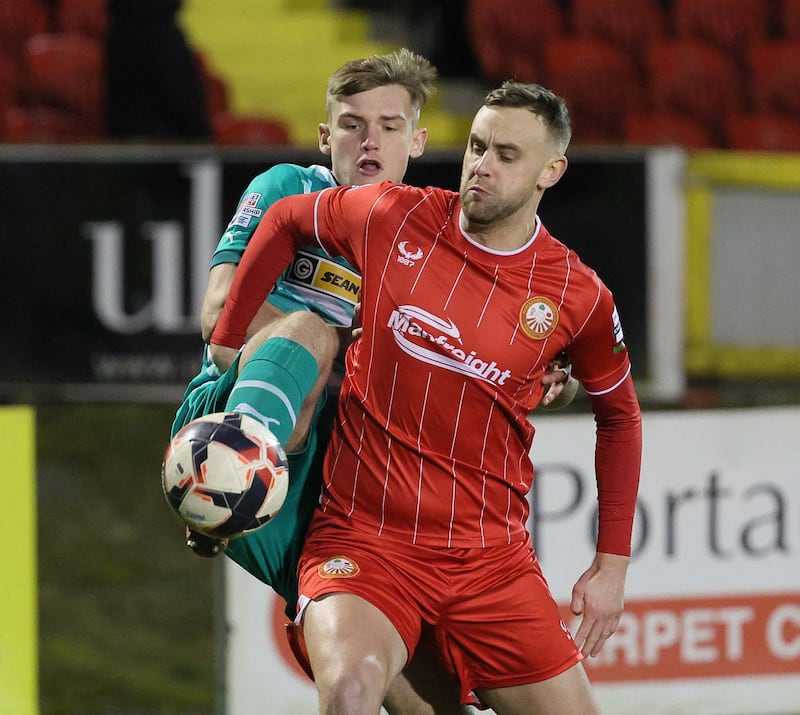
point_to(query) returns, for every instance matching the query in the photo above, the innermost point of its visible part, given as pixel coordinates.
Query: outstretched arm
(598, 595)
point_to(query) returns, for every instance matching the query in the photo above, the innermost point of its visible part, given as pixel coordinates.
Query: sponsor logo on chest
(325, 276)
(437, 341)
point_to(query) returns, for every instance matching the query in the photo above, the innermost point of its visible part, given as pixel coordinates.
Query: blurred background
(128, 130)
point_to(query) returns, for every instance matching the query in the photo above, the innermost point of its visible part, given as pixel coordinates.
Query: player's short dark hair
(539, 100)
(402, 67)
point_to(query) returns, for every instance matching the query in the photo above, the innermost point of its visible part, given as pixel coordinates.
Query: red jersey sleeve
(337, 219)
(269, 252)
(618, 457)
(288, 224)
(601, 363)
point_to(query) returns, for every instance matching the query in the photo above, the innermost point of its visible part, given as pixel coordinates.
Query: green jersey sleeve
(263, 191)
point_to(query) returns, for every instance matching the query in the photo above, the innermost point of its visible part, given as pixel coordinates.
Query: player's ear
(324, 132)
(553, 172)
(418, 139)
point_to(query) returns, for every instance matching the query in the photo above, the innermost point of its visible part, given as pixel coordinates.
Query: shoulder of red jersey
(550, 249)
(401, 194)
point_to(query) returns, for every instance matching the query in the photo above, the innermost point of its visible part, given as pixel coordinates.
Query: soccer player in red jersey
(466, 298)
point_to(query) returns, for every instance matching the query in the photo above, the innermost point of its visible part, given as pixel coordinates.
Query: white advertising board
(712, 618)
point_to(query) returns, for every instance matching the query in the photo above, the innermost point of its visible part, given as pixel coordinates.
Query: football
(225, 474)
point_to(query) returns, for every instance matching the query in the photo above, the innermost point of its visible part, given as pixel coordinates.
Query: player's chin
(371, 177)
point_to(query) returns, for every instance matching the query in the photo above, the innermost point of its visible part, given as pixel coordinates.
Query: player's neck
(506, 235)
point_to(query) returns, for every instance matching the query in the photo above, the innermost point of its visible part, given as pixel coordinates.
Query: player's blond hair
(541, 102)
(401, 67)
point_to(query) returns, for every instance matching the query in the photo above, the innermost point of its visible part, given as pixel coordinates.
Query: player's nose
(370, 138)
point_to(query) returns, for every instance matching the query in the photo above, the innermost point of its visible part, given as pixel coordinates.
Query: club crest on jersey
(538, 317)
(339, 567)
(409, 253)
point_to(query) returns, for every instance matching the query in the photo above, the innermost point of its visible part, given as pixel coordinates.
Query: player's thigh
(567, 693)
(426, 686)
(347, 637)
(486, 636)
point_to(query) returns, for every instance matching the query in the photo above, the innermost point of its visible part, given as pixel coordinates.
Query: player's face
(509, 161)
(371, 135)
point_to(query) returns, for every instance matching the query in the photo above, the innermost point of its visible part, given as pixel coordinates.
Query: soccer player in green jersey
(372, 130)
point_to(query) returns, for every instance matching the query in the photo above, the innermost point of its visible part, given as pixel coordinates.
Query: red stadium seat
(631, 24)
(215, 87)
(19, 19)
(662, 128)
(507, 35)
(763, 132)
(600, 84)
(230, 129)
(41, 125)
(65, 72)
(250, 131)
(729, 24)
(774, 76)
(695, 79)
(83, 17)
(789, 19)
(9, 83)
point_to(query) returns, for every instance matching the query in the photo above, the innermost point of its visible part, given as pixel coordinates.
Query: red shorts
(494, 618)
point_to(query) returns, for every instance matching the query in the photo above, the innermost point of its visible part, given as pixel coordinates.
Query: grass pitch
(125, 610)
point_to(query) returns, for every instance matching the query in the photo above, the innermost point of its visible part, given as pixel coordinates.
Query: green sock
(273, 384)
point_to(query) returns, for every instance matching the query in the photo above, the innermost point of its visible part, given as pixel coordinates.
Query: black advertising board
(105, 254)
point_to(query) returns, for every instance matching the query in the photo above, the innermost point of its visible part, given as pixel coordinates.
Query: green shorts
(272, 552)
(205, 394)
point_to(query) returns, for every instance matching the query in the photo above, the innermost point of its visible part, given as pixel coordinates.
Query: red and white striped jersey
(432, 442)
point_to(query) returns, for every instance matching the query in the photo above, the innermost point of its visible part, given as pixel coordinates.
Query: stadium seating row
(716, 73)
(642, 71)
(52, 78)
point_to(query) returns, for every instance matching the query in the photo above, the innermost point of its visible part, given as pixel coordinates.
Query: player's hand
(356, 328)
(560, 387)
(598, 596)
(205, 546)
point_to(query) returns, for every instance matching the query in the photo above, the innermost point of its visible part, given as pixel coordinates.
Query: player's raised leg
(283, 370)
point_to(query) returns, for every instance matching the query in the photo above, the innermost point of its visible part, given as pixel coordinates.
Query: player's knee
(311, 331)
(356, 687)
(301, 327)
